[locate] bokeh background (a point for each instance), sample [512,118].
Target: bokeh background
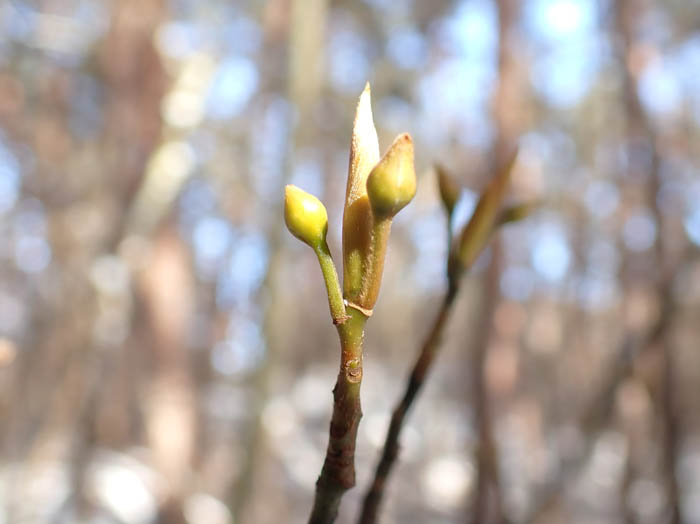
[166,353]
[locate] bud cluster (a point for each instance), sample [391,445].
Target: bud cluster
[377,189]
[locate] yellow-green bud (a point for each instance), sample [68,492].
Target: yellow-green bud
[305,216]
[392,183]
[449,188]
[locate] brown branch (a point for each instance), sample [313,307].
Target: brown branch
[461,256]
[338,473]
[487,499]
[373,499]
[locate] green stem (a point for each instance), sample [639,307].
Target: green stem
[338,473]
[330,276]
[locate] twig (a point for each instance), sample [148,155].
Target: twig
[338,473]
[415,383]
[472,240]
[377,190]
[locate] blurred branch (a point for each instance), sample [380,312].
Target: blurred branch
[639,126]
[628,516]
[461,256]
[671,432]
[487,505]
[373,498]
[487,501]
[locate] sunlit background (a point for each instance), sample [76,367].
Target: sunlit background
[166,353]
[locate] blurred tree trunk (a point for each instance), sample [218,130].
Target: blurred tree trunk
[135,82]
[306,32]
[508,113]
[487,504]
[642,138]
[62,373]
[166,288]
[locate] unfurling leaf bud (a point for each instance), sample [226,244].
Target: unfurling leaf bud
[364,149]
[449,189]
[392,183]
[357,217]
[305,216]
[479,228]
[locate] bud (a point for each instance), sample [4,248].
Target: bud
[392,183]
[364,149]
[517,212]
[479,228]
[449,189]
[357,217]
[305,216]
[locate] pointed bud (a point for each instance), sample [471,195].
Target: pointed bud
[392,183]
[357,217]
[364,149]
[479,228]
[449,189]
[305,216]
